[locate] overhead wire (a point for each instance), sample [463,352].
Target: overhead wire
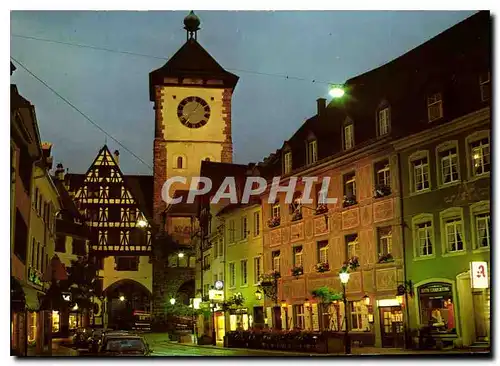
[95,124]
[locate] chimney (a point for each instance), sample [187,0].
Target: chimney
[116,154]
[59,173]
[321,106]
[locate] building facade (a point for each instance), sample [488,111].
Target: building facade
[115,206]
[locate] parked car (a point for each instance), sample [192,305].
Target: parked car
[95,340]
[124,345]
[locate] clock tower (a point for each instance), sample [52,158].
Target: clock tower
[192,101]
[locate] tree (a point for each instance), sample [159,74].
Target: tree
[82,282]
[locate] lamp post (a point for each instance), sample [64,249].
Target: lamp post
[344,278]
[214,341]
[336,91]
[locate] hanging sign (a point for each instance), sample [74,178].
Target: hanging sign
[479,274]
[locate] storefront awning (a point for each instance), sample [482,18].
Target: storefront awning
[31,296]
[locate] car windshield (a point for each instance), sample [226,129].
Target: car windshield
[125,345]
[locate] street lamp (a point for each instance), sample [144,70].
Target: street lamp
[181,255]
[258,295]
[366,298]
[141,223]
[336,91]
[344,278]
[122,298]
[172,301]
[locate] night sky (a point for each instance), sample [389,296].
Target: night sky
[112,88]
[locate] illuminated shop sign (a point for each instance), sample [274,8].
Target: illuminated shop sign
[435,287]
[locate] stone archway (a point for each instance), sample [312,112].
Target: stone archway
[185,292]
[124,298]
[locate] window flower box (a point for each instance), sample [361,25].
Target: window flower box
[322,267]
[274,221]
[385,258]
[351,264]
[382,190]
[297,215]
[349,201]
[297,271]
[322,208]
[269,278]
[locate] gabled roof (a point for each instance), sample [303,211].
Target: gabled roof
[140,186]
[191,61]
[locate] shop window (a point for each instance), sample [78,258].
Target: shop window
[333,316]
[437,307]
[56,318]
[359,316]
[299,318]
[32,320]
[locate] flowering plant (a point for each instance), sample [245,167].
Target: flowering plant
[297,271]
[382,190]
[269,277]
[351,264]
[297,215]
[322,208]
[384,258]
[274,221]
[322,267]
[349,200]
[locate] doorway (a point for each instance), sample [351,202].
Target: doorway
[478,300]
[391,326]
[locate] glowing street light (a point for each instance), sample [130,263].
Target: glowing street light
[172,301]
[122,298]
[181,255]
[336,91]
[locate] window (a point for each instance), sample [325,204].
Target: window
[312,152]
[323,251]
[352,245]
[359,316]
[256,269]
[179,163]
[421,174]
[350,184]
[384,241]
[299,320]
[434,106]
[454,236]
[480,151]
[60,243]
[297,256]
[244,272]
[221,247]
[383,121]
[275,210]
[424,234]
[449,165]
[276,260]
[244,227]
[483,230]
[485,86]
[348,136]
[436,305]
[126,263]
[232,275]
[287,162]
[383,173]
[256,224]
[231,231]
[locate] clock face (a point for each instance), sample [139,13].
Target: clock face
[193,112]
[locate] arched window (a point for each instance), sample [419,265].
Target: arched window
[179,162]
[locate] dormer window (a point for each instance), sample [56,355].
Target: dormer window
[312,152]
[287,162]
[485,86]
[384,121]
[348,136]
[434,107]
